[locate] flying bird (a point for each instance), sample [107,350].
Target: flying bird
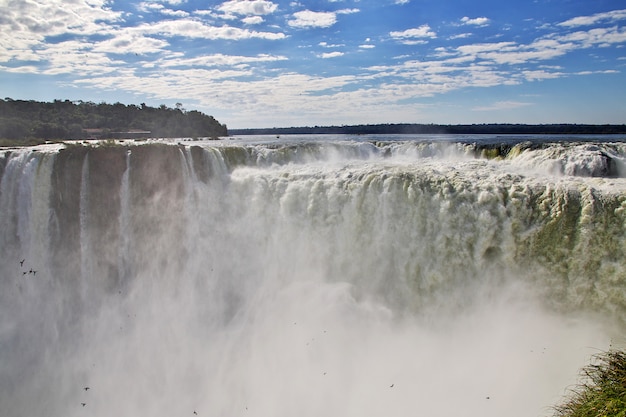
[86,388]
[83,404]
[22,262]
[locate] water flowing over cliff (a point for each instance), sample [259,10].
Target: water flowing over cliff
[306,277]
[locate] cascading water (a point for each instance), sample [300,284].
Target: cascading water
[326,277]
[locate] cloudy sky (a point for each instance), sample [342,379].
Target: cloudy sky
[262,63]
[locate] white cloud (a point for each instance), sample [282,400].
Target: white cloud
[478,21]
[491,64]
[347,11]
[595,37]
[477,48]
[264,97]
[612,16]
[367,46]
[126,43]
[511,53]
[174,13]
[538,75]
[252,20]
[34,19]
[149,7]
[191,28]
[25,25]
[218,60]
[248,7]
[334,54]
[460,36]
[597,72]
[157,4]
[23,69]
[76,58]
[328,45]
[310,19]
[402,1]
[423,31]
[205,13]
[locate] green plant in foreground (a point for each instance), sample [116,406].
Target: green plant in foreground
[602,390]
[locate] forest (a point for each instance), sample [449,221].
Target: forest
[408,128]
[32,121]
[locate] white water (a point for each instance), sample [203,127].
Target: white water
[321,283]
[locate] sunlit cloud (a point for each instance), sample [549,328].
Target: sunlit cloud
[149,7]
[612,16]
[330,45]
[173,2]
[347,11]
[538,75]
[174,13]
[310,19]
[195,29]
[253,20]
[460,36]
[218,60]
[35,20]
[248,7]
[478,21]
[334,54]
[129,43]
[23,69]
[423,31]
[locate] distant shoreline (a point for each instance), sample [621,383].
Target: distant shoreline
[407,128]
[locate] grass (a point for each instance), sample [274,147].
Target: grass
[602,390]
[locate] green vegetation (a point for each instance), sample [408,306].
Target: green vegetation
[27,122]
[602,393]
[411,128]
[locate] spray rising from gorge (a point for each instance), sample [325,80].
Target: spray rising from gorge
[310,277]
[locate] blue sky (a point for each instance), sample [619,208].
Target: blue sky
[262,63]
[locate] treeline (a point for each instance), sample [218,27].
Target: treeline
[407,128]
[28,120]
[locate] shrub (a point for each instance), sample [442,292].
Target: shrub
[602,390]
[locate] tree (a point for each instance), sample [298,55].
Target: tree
[64,119]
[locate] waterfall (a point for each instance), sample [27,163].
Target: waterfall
[126,244]
[86,251]
[324,277]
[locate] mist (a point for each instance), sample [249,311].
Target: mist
[171,280]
